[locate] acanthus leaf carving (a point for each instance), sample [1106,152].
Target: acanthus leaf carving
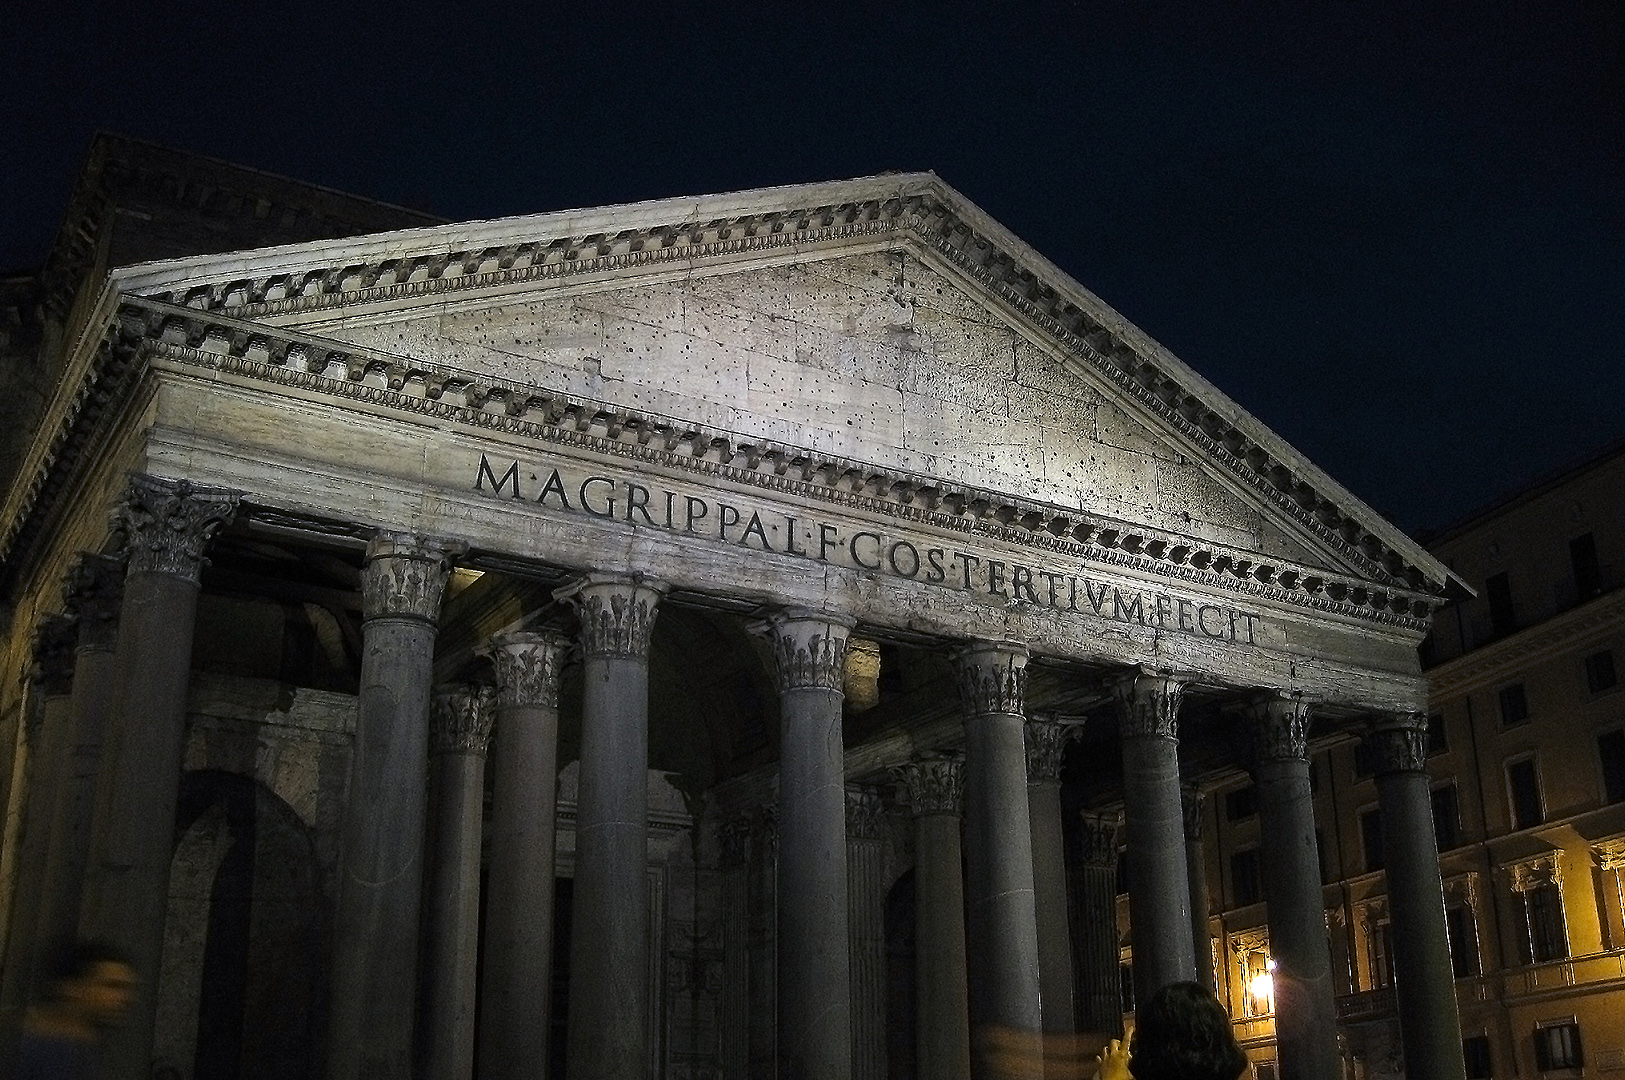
[1148,705]
[1398,742]
[865,813]
[404,577]
[617,613]
[932,785]
[528,665]
[1097,839]
[462,719]
[165,525]
[992,678]
[1280,727]
[1046,747]
[809,650]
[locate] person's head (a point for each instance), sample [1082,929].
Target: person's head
[94,979]
[1182,1033]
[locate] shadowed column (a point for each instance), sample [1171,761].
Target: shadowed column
[933,788]
[1305,1007]
[1100,996]
[814,967]
[609,935]
[866,925]
[1046,745]
[459,733]
[518,978]
[1424,983]
[1191,802]
[375,956]
[1154,824]
[166,526]
[1002,920]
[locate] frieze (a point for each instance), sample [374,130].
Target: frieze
[528,665]
[93,591]
[809,651]
[992,678]
[166,524]
[617,614]
[1046,747]
[404,577]
[462,720]
[932,785]
[1148,705]
[1398,742]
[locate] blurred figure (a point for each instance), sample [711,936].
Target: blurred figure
[1182,1033]
[1010,1054]
[90,987]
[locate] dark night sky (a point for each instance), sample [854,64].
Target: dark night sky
[1396,235]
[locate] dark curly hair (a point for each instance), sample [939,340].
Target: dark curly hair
[1182,1033]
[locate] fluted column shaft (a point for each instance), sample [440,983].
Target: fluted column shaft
[1003,921]
[814,966]
[375,958]
[866,929]
[47,723]
[1305,1004]
[518,979]
[460,732]
[1154,824]
[1099,992]
[166,525]
[1196,873]
[934,790]
[609,937]
[94,590]
[1429,1026]
[1046,743]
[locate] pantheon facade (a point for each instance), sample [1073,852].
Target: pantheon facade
[722,637]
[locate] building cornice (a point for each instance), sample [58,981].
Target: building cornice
[1528,648]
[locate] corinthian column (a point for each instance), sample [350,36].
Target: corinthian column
[1158,887]
[94,591]
[866,925]
[375,956]
[1004,979]
[1100,996]
[933,788]
[1191,801]
[46,731]
[1429,1027]
[1305,1006]
[517,986]
[609,936]
[459,735]
[166,525]
[1046,743]
[814,971]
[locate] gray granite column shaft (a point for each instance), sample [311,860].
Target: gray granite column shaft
[1154,824]
[1196,874]
[814,965]
[1046,742]
[167,525]
[609,936]
[94,590]
[516,990]
[1100,998]
[733,1034]
[460,732]
[47,720]
[1003,922]
[934,790]
[1429,1026]
[1305,1003]
[866,929]
[375,956]
[762,1017]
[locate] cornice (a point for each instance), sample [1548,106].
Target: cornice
[381,380]
[919,208]
[1526,648]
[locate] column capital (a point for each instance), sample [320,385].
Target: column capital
[932,785]
[1280,726]
[1046,748]
[527,665]
[865,813]
[93,590]
[462,719]
[1398,742]
[617,613]
[404,577]
[1148,704]
[809,649]
[1097,839]
[166,524]
[992,677]
[55,637]
[1190,801]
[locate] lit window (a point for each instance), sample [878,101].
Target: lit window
[1557,1046]
[1258,977]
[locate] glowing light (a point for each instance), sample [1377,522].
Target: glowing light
[1262,986]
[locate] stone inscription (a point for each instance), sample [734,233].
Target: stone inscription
[626,500]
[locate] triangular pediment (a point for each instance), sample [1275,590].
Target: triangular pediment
[884,321]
